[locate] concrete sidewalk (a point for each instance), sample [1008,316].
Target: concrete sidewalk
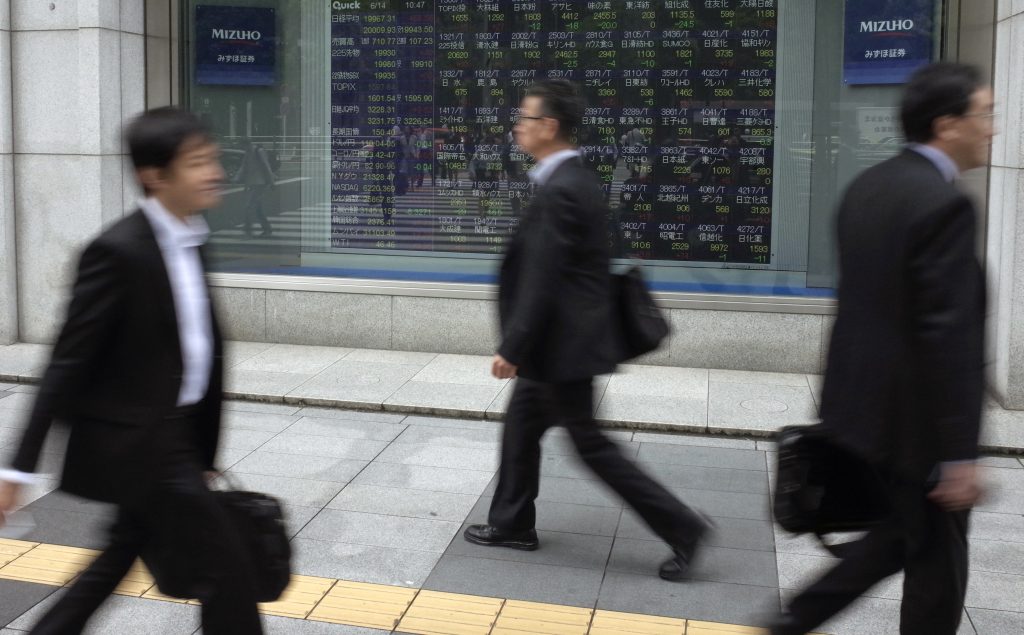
[383,498]
[645,398]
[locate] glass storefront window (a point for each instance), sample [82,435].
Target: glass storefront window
[372,138]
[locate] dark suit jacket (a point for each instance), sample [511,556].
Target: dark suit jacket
[904,381]
[116,369]
[555,295]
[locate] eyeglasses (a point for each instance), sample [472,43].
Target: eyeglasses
[516,120]
[991,117]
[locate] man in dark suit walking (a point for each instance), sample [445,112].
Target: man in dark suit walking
[555,306]
[137,373]
[904,383]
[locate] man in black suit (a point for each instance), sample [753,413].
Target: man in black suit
[555,306]
[137,373]
[904,383]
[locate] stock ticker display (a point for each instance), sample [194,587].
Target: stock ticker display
[679,123]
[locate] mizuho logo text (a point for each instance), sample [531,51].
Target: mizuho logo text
[886,26]
[236,34]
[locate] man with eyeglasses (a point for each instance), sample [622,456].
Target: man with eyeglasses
[904,380]
[555,309]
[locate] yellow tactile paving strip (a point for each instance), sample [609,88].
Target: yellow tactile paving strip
[405,610]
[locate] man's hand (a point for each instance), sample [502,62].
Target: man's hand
[210,476]
[501,369]
[959,487]
[9,494]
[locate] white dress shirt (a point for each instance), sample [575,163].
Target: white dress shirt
[540,173]
[942,161]
[179,245]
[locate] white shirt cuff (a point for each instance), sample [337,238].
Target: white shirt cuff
[22,478]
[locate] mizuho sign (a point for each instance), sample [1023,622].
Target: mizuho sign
[236,34]
[886,26]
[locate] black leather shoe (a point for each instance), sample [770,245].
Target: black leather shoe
[678,566]
[489,536]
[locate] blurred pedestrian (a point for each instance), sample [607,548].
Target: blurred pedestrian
[904,382]
[137,373]
[556,314]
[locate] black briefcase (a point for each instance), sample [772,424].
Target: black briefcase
[259,521]
[641,326]
[823,488]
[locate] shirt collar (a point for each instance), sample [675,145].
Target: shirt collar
[169,229]
[540,173]
[942,161]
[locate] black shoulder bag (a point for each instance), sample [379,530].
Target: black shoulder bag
[823,488]
[640,327]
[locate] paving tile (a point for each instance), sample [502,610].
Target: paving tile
[33,492]
[534,617]
[29,389]
[557,441]
[314,445]
[871,616]
[344,428]
[23,360]
[713,564]
[433,612]
[702,456]
[499,406]
[423,477]
[362,563]
[266,422]
[516,580]
[319,468]
[989,526]
[1003,501]
[422,421]
[60,527]
[816,382]
[391,501]
[561,517]
[121,614]
[459,369]
[485,439]
[987,622]
[659,381]
[27,620]
[327,412]
[737,533]
[261,383]
[19,597]
[677,413]
[291,358]
[698,600]
[275,625]
[725,504]
[613,623]
[12,419]
[708,478]
[759,407]
[442,399]
[797,380]
[999,478]
[996,591]
[365,605]
[557,549]
[18,401]
[691,439]
[260,406]
[237,352]
[378,530]
[70,503]
[294,491]
[297,516]
[1006,462]
[798,571]
[356,382]
[997,557]
[244,439]
[5,387]
[439,456]
[390,357]
[572,490]
[228,457]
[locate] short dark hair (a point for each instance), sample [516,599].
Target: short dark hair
[937,90]
[561,100]
[155,137]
